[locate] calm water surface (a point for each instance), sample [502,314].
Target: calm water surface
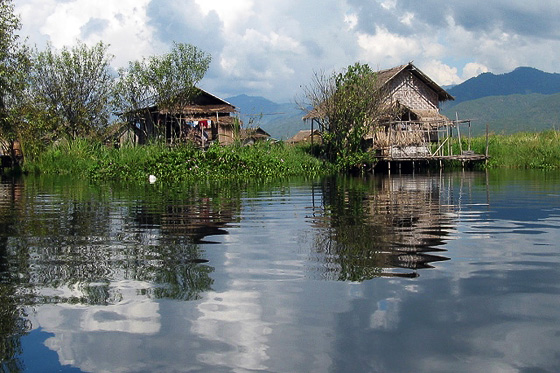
[453,272]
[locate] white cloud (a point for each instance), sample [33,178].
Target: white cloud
[473,69]
[387,48]
[389,4]
[351,20]
[124,25]
[271,48]
[440,73]
[232,13]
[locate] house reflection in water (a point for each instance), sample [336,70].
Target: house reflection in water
[193,219]
[383,227]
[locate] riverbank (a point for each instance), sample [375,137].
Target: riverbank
[89,159]
[93,160]
[528,150]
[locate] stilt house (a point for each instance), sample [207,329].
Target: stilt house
[413,120]
[415,100]
[206,119]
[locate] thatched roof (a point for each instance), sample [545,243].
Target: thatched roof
[384,77]
[303,135]
[255,133]
[202,103]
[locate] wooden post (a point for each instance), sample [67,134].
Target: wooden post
[486,153]
[448,128]
[312,121]
[390,145]
[469,135]
[458,133]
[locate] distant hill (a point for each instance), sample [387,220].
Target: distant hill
[509,114]
[523,80]
[281,121]
[525,99]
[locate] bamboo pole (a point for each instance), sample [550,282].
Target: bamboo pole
[469,135]
[447,128]
[458,133]
[487,143]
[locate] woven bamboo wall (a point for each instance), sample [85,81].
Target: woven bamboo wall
[412,92]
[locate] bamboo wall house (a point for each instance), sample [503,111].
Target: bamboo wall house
[413,123]
[207,118]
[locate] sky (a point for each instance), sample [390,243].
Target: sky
[272,48]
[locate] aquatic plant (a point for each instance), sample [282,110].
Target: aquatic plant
[85,158]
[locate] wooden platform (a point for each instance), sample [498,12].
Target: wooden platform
[412,158]
[400,163]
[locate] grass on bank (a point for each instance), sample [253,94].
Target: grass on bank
[84,158]
[538,150]
[90,159]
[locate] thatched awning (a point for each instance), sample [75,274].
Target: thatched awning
[202,103]
[198,109]
[304,135]
[431,116]
[254,133]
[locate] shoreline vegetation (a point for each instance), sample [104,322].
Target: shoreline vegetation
[93,160]
[522,150]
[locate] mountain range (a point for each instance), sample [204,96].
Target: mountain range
[281,121]
[525,99]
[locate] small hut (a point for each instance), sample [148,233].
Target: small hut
[250,136]
[207,118]
[415,99]
[412,100]
[306,137]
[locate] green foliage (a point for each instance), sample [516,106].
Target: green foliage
[358,161]
[169,80]
[521,150]
[14,66]
[72,89]
[67,157]
[90,159]
[347,105]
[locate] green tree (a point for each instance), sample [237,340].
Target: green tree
[72,89]
[14,66]
[347,105]
[167,81]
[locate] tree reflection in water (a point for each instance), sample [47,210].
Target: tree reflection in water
[65,243]
[13,322]
[379,226]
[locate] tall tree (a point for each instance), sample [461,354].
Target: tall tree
[73,88]
[347,105]
[14,65]
[167,81]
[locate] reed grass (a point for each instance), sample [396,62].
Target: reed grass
[528,150]
[88,159]
[91,159]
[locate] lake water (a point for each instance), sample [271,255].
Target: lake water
[451,272]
